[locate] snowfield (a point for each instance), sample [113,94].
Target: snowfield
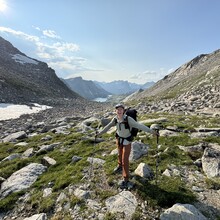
[10,111]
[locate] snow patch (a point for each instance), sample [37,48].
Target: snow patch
[23,59]
[10,111]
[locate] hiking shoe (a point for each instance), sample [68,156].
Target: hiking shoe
[118,169]
[129,185]
[126,185]
[123,184]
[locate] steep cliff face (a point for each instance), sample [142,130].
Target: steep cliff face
[23,79]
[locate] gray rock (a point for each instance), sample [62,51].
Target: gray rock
[143,170]
[204,134]
[217,105]
[22,179]
[46,138]
[194,148]
[61,197]
[124,202]
[61,130]
[168,133]
[48,161]
[207,129]
[182,212]
[89,121]
[11,157]
[21,144]
[76,158]
[95,160]
[81,194]
[138,149]
[49,147]
[41,216]
[15,136]
[47,192]
[92,204]
[211,161]
[28,153]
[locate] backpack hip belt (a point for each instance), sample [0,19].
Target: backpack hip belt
[121,139]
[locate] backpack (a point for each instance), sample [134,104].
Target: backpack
[133,114]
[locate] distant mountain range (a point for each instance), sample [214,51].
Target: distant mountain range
[93,89]
[86,88]
[119,87]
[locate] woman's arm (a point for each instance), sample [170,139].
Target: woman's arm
[107,127]
[139,126]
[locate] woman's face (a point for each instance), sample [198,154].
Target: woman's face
[120,111]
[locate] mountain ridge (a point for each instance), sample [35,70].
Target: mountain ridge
[187,79]
[120,87]
[91,90]
[24,79]
[86,88]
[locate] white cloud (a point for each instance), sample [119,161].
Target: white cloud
[51,33]
[21,34]
[135,76]
[56,50]
[3,5]
[37,28]
[63,47]
[150,75]
[60,55]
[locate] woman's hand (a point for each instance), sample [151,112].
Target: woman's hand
[155,132]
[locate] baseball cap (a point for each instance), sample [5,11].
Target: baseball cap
[119,105]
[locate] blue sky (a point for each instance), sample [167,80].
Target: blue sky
[106,40]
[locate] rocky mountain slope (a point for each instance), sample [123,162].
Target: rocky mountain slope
[23,79]
[86,88]
[195,85]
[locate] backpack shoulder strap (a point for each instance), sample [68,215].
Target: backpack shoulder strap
[115,120]
[127,126]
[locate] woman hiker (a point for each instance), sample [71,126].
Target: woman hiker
[123,141]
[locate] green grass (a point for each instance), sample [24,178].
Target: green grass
[6,149]
[213,183]
[212,140]
[7,168]
[8,203]
[166,193]
[42,204]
